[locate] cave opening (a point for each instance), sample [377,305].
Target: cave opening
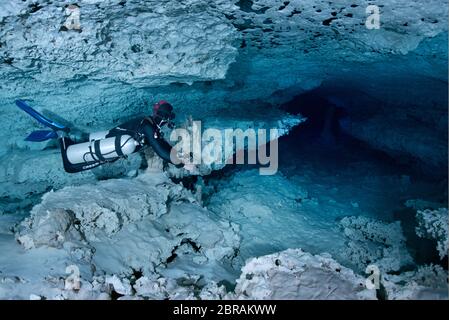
[326,133]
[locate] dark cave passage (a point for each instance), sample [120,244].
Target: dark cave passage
[325,133]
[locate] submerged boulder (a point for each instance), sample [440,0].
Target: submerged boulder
[295,274]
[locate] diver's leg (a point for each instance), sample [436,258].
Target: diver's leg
[65,143]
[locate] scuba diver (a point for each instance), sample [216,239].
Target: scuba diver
[109,146]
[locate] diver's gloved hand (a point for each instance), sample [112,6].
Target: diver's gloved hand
[192,168]
[187,159]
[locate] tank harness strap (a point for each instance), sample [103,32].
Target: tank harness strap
[150,120]
[118,146]
[98,151]
[91,152]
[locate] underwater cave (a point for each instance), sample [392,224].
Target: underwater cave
[354,106]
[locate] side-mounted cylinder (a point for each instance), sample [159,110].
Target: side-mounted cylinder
[101,149]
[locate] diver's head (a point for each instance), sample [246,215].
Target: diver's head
[163,114]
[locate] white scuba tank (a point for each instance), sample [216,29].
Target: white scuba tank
[100,148]
[98,135]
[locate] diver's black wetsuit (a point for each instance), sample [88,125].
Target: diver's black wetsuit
[143,130]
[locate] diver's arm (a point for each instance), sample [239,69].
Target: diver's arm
[160,146]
